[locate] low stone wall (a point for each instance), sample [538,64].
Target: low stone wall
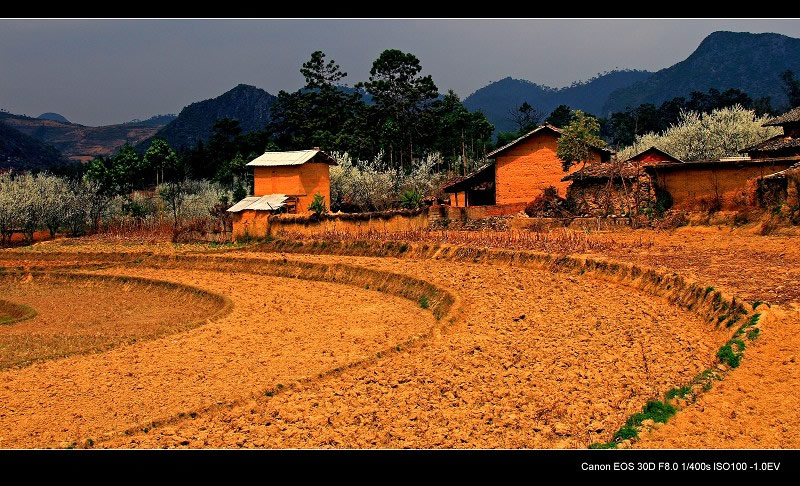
[478,212]
[546,224]
[593,196]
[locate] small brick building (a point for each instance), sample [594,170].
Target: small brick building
[283,182]
[520,171]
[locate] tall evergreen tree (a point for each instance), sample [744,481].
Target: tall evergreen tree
[402,96]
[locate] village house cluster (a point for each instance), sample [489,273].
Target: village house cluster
[518,172]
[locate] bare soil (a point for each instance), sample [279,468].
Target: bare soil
[586,354]
[539,360]
[81,315]
[279,330]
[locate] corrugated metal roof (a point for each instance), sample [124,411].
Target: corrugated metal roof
[243,204]
[297,157]
[270,202]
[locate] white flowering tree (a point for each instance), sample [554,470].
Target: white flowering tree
[721,133]
[9,215]
[372,186]
[53,192]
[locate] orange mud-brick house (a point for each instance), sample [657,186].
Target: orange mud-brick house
[700,185]
[283,182]
[520,171]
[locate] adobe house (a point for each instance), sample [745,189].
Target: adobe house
[519,172]
[705,184]
[614,187]
[284,182]
[785,145]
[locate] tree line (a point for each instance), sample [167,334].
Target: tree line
[621,129]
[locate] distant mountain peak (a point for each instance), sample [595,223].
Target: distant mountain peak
[248,104]
[742,60]
[53,116]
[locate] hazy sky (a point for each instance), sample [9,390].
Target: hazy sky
[99,72]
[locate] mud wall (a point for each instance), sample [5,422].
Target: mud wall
[695,189]
[304,180]
[260,224]
[526,169]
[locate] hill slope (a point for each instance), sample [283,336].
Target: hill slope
[79,142]
[248,104]
[22,152]
[497,98]
[750,62]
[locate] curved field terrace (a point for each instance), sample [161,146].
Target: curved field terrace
[244,348]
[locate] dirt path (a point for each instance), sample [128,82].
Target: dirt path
[279,331]
[585,355]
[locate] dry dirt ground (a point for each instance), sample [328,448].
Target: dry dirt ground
[586,354]
[266,340]
[84,315]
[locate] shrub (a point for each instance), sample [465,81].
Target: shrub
[362,186]
[726,355]
[411,199]
[423,302]
[548,204]
[318,205]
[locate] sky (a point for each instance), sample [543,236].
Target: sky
[99,72]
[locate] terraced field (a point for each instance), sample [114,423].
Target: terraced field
[283,345]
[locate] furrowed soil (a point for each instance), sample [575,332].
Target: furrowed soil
[586,354]
[278,331]
[538,360]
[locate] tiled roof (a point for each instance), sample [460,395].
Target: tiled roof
[791,116]
[778,142]
[457,180]
[781,174]
[711,163]
[667,155]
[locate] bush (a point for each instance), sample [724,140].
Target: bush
[411,199]
[318,205]
[363,186]
[548,204]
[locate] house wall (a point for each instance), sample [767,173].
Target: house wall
[695,188]
[457,199]
[250,223]
[304,181]
[526,169]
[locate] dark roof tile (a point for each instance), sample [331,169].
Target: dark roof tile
[791,116]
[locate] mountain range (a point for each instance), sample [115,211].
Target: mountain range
[750,62]
[79,142]
[23,152]
[247,104]
[498,98]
